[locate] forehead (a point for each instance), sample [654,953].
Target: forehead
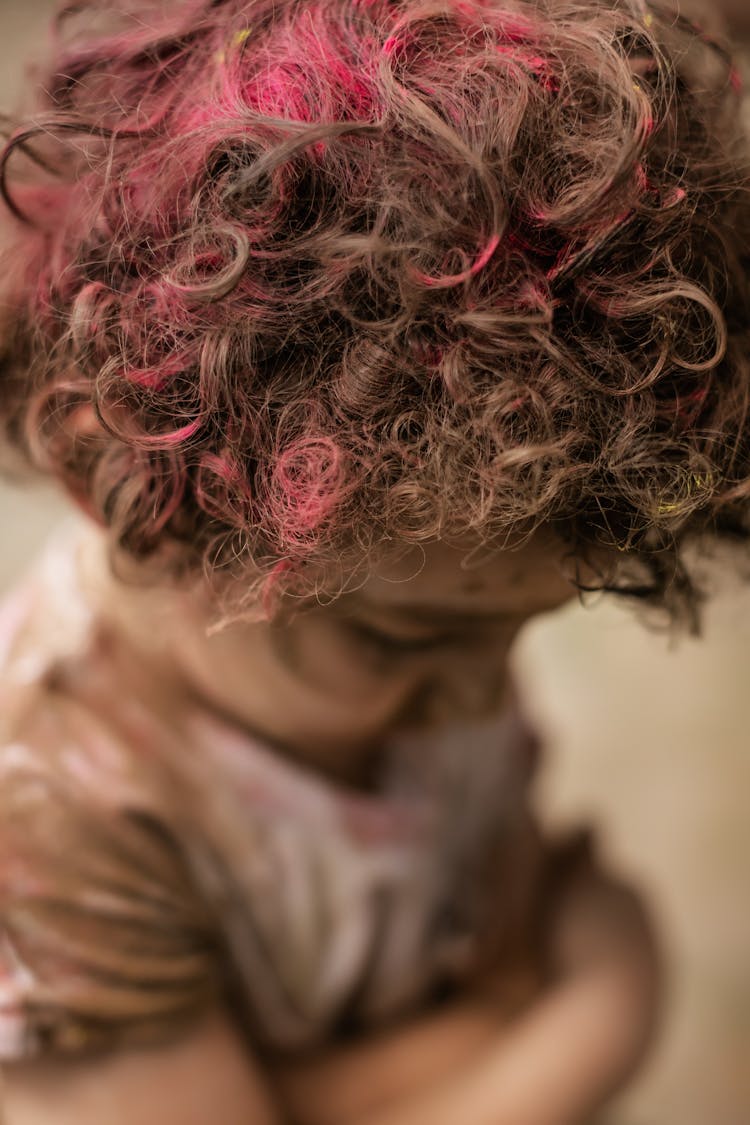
[526,579]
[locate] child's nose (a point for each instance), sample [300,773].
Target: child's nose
[461,692]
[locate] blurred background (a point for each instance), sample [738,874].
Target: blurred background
[648,741]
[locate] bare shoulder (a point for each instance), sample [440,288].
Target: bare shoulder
[206,1076]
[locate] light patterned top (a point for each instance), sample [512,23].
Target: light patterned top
[148,866]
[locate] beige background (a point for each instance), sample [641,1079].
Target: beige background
[652,744]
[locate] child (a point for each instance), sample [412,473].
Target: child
[361,333]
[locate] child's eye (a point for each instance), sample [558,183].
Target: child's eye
[388,642]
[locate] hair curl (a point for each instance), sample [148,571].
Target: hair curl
[291,279]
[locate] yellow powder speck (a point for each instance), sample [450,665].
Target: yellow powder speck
[239,37]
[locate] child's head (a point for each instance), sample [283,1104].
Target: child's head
[293,285]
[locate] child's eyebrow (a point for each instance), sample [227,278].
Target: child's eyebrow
[438,615]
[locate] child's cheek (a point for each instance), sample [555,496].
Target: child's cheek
[328,656]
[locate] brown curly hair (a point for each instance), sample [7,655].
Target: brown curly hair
[288,280]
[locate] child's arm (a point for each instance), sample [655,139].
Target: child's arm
[561,1061]
[570,1050]
[550,1066]
[204,1078]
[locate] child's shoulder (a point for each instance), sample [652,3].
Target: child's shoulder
[48,640]
[97,914]
[44,616]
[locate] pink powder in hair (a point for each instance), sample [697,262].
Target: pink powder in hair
[222,489]
[456,278]
[154,378]
[318,253]
[307,479]
[272,587]
[688,407]
[537,65]
[429,355]
[170,439]
[391,44]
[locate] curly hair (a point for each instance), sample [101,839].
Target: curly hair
[288,280]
